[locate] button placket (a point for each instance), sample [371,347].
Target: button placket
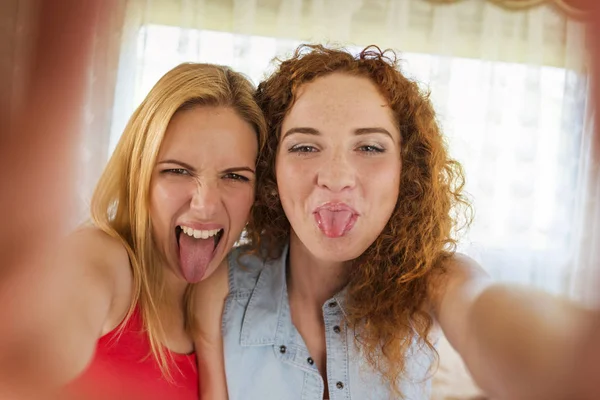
[337,351]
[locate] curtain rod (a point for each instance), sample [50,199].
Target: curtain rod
[572,8]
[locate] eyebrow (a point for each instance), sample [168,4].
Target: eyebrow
[304,130]
[359,131]
[192,169]
[180,163]
[239,169]
[365,131]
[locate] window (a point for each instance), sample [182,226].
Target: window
[515,128]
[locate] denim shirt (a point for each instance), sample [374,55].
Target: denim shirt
[266,357]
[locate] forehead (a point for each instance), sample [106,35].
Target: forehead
[204,132]
[340,99]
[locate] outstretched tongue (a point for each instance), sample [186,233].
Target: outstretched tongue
[194,256]
[334,224]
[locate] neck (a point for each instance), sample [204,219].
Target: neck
[174,291]
[172,314]
[312,279]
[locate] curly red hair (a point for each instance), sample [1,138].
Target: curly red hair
[387,290]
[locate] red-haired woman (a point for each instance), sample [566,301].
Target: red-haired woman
[351,267]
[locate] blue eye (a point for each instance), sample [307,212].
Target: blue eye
[176,171]
[303,148]
[371,149]
[236,177]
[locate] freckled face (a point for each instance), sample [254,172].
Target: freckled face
[338,166]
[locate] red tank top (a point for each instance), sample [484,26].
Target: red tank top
[124,368]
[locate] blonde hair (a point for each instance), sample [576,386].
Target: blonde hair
[120,202]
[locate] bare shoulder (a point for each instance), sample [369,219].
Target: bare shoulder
[97,244]
[460,265]
[105,260]
[457,275]
[209,301]
[105,256]
[214,287]
[208,304]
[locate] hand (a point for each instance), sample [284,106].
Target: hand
[38,147]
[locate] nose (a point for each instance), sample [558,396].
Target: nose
[337,173]
[205,200]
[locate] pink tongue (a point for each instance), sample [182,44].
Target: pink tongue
[334,223]
[194,256]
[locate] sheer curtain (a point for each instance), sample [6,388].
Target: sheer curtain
[510,90]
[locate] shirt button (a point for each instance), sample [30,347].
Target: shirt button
[310,360]
[332,304]
[337,329]
[282,349]
[339,385]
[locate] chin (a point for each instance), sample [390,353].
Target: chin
[334,250]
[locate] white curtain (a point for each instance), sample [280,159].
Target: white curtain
[510,90]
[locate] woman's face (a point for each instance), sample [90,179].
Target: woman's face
[202,188]
[338,166]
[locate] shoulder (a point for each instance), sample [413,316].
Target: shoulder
[238,272]
[453,287]
[455,270]
[107,262]
[106,255]
[97,244]
[231,283]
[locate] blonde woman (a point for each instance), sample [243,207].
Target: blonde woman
[169,206]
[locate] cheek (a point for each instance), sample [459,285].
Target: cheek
[292,166]
[166,198]
[239,202]
[295,177]
[383,178]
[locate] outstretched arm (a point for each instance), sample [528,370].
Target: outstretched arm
[38,143]
[55,311]
[518,342]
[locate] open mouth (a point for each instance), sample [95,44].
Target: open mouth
[196,248]
[215,234]
[335,219]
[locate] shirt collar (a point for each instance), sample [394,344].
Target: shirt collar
[263,319]
[267,319]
